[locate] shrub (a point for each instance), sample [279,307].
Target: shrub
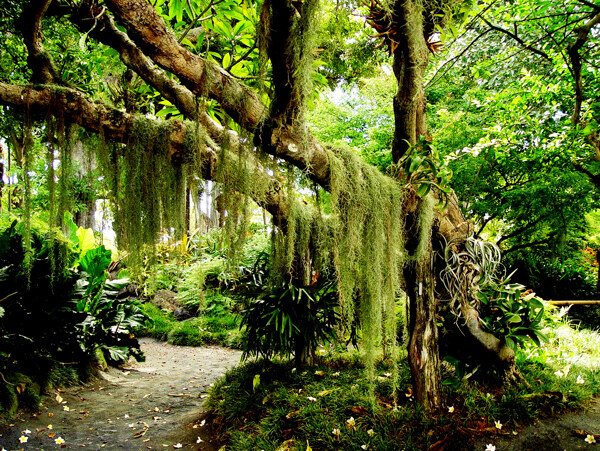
[283,319]
[556,279]
[53,313]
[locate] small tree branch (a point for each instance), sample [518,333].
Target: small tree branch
[517,39]
[453,61]
[573,51]
[594,178]
[528,245]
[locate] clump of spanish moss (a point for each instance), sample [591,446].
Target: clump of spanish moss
[287,36]
[148,185]
[425,217]
[368,246]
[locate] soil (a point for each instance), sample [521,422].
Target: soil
[567,431]
[156,404]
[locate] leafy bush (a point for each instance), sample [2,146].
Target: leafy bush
[556,279]
[511,312]
[109,321]
[283,319]
[218,325]
[51,312]
[35,288]
[190,288]
[160,276]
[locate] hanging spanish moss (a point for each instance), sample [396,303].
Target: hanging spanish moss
[425,217]
[301,247]
[28,143]
[65,135]
[51,186]
[148,184]
[233,203]
[369,247]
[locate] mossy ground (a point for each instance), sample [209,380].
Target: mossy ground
[23,391]
[204,330]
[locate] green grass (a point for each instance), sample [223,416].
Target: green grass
[293,408]
[221,329]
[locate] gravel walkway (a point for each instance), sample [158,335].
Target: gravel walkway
[154,404]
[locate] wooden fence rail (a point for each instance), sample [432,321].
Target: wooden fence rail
[564,302]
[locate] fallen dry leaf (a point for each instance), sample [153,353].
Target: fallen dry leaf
[140,433]
[360,410]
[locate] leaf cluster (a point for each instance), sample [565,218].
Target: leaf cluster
[281,318]
[513,313]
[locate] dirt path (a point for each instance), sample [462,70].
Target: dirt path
[564,432]
[150,405]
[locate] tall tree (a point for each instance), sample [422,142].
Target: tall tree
[244,99]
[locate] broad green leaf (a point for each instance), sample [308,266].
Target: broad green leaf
[226,60]
[86,240]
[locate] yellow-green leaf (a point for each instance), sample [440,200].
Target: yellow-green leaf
[86,240]
[255,382]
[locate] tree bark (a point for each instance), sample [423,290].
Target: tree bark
[411,55]
[423,349]
[410,62]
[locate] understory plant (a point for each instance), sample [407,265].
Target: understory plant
[109,320]
[271,405]
[514,313]
[474,277]
[42,329]
[282,318]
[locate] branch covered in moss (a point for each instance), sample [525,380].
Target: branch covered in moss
[117,125]
[38,60]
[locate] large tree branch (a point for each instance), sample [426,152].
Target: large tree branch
[530,244]
[150,33]
[117,125]
[594,178]
[38,60]
[106,32]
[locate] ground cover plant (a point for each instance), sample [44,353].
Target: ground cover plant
[273,405]
[203,283]
[216,325]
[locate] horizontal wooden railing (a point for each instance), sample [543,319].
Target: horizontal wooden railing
[567,302]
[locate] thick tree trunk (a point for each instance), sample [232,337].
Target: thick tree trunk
[86,217]
[423,352]
[423,346]
[410,62]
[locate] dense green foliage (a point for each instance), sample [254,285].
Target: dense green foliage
[54,315]
[217,325]
[282,319]
[266,405]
